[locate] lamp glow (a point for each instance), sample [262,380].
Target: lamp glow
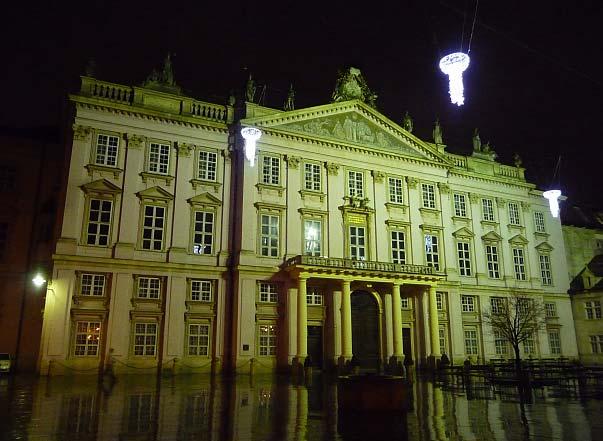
[454,65]
[38,280]
[251,135]
[553,198]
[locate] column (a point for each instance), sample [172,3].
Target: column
[302,320]
[434,324]
[397,320]
[346,320]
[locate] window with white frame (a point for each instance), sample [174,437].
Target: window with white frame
[432,251]
[355,184]
[203,233]
[405,303]
[492,261]
[92,285]
[529,346]
[545,269]
[488,210]
[442,337]
[596,344]
[271,170]
[201,290]
[440,300]
[268,292]
[514,218]
[86,338]
[395,190]
[593,309]
[500,343]
[554,342]
[145,338]
[153,227]
[207,166]
[98,227]
[428,195]
[519,264]
[539,222]
[398,246]
[106,150]
[198,339]
[357,242]
[159,158]
[460,205]
[313,297]
[551,309]
[148,288]
[464,258]
[267,340]
[471,346]
[312,176]
[497,305]
[468,303]
[269,235]
[312,237]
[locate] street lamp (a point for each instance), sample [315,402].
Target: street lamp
[38,280]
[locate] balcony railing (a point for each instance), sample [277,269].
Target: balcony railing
[337,263]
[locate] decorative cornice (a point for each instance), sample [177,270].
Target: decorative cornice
[332,168]
[444,188]
[412,182]
[185,149]
[81,133]
[474,198]
[378,176]
[293,161]
[136,141]
[501,201]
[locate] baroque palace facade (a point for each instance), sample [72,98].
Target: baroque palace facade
[347,237]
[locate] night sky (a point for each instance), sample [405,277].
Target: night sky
[533,86]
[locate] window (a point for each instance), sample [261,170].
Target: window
[312,177]
[488,210]
[201,290]
[440,300]
[468,303]
[460,205]
[159,158]
[519,264]
[99,222]
[593,309]
[8,178]
[395,190]
[312,237]
[357,243]
[145,338]
[148,288]
[198,339]
[313,297]
[471,342]
[208,165]
[596,344]
[92,285]
[3,238]
[545,269]
[500,343]
[464,258]
[153,227]
[514,214]
[269,240]
[268,293]
[497,305]
[428,194]
[271,170]
[398,247]
[267,339]
[87,339]
[442,335]
[106,150]
[203,234]
[539,222]
[554,342]
[355,184]
[529,346]
[492,260]
[404,303]
[432,251]
[551,309]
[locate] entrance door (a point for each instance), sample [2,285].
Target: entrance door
[407,343]
[365,330]
[315,345]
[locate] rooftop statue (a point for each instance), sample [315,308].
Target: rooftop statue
[351,85]
[407,122]
[437,132]
[477,142]
[290,101]
[250,89]
[163,80]
[517,160]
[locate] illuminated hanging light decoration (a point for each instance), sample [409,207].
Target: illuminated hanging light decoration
[454,65]
[553,197]
[251,135]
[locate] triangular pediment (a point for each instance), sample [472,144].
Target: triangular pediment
[544,247]
[155,193]
[491,236]
[204,199]
[518,239]
[349,123]
[100,186]
[463,233]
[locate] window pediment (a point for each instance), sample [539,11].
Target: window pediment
[518,239]
[463,233]
[544,247]
[100,186]
[155,194]
[491,236]
[204,199]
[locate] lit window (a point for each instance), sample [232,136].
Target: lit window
[398,247]
[208,164]
[313,297]
[159,158]
[432,251]
[545,269]
[198,339]
[468,303]
[488,210]
[442,335]
[148,288]
[497,305]
[554,342]
[464,258]
[514,214]
[539,222]
[395,190]
[153,227]
[271,170]
[551,309]
[145,338]
[519,264]
[460,205]
[269,240]
[99,222]
[203,235]
[106,150]
[87,339]
[268,293]
[428,194]
[492,260]
[500,343]
[201,290]
[593,309]
[312,177]
[357,243]
[267,339]
[471,342]
[355,184]
[312,237]
[92,285]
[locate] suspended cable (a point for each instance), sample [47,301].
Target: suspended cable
[463,28]
[473,26]
[556,173]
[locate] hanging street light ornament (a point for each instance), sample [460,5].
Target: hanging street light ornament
[251,135]
[553,197]
[454,65]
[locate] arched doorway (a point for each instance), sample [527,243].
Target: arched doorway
[365,330]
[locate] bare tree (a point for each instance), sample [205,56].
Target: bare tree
[517,318]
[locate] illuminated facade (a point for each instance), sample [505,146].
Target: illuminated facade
[349,236]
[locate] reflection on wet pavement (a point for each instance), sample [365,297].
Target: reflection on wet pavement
[272,408]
